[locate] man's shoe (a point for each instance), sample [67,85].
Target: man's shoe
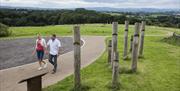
[54,71]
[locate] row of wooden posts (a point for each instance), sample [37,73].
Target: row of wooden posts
[113,55]
[136,48]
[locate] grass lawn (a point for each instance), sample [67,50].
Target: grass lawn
[86,29]
[159,70]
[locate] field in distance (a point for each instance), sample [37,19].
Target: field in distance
[86,29]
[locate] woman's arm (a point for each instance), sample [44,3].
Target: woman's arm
[34,51]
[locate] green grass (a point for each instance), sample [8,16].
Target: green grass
[86,29]
[159,70]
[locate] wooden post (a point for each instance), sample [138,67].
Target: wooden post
[115,72]
[109,51]
[114,40]
[141,46]
[125,56]
[135,48]
[34,81]
[77,58]
[131,44]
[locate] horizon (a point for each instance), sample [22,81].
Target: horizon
[83,7]
[120,4]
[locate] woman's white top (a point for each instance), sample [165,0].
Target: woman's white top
[43,42]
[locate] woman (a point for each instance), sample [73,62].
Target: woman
[40,48]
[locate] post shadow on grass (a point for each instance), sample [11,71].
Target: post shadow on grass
[82,88]
[113,88]
[127,59]
[141,57]
[125,70]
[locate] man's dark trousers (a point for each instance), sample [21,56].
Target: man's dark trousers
[53,61]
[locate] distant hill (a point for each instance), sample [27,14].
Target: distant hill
[42,16]
[104,9]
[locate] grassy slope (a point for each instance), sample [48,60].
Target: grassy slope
[158,71]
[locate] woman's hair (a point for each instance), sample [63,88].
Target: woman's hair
[38,34]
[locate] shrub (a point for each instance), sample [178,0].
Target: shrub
[4,30]
[172,40]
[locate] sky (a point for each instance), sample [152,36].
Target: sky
[92,3]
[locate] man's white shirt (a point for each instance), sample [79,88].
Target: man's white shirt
[54,46]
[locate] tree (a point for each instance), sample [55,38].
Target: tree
[4,30]
[28,17]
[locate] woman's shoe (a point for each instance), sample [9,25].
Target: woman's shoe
[45,65]
[40,68]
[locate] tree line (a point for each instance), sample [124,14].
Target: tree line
[29,17]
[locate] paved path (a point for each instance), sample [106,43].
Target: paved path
[90,51]
[11,47]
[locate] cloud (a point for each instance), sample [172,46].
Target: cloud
[141,3]
[93,3]
[106,1]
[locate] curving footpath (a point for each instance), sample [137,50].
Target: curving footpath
[93,47]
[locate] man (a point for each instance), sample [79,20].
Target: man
[54,45]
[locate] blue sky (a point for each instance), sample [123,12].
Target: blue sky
[93,3]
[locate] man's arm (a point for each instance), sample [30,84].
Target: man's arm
[59,47]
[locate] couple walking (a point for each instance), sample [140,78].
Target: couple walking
[52,48]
